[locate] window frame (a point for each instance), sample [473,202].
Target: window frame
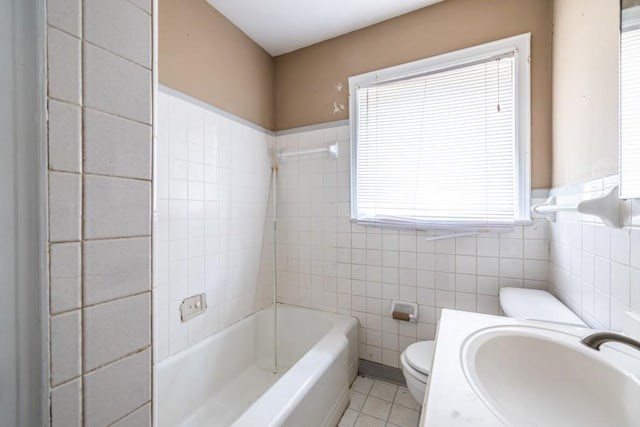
[519,45]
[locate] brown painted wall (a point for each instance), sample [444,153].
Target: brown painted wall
[306,79]
[205,56]
[585,90]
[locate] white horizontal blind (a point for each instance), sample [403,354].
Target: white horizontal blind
[630,109]
[439,150]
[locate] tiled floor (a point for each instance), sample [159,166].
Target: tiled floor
[379,404]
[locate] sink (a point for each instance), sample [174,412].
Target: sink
[533,376]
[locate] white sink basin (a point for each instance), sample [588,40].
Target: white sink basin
[531,376]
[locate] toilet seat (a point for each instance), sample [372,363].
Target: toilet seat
[419,356]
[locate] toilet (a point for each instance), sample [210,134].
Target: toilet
[517,303]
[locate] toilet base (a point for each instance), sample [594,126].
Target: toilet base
[416,387]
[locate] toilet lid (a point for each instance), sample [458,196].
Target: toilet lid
[419,356]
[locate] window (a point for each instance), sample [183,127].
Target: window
[444,142]
[630,103]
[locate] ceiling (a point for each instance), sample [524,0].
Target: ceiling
[282,26]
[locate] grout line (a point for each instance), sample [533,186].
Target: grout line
[131,61]
[67,381]
[148,402]
[138,7]
[90,174]
[111,113]
[62,30]
[82,212]
[100,239]
[117,299]
[113,362]
[94,239]
[53,98]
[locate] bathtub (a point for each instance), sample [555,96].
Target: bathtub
[227,379]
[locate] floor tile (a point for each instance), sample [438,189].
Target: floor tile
[362,385]
[357,400]
[384,391]
[375,403]
[349,418]
[367,421]
[376,408]
[403,417]
[404,398]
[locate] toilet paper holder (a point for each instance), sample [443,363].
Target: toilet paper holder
[407,311]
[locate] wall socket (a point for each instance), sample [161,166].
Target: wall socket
[193,306]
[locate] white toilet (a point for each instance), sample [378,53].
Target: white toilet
[518,303]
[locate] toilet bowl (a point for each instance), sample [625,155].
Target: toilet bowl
[517,303]
[416,366]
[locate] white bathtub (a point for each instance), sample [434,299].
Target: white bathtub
[227,379]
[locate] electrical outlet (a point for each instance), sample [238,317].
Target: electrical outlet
[193,306]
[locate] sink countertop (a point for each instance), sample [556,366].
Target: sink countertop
[450,400]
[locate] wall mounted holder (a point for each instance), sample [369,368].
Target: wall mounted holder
[406,311]
[606,207]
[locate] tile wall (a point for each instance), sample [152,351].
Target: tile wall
[99,93]
[327,262]
[212,189]
[594,269]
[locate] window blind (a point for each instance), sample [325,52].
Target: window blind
[438,150]
[630,108]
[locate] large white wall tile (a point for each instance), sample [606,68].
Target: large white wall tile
[65,274]
[65,147]
[65,193]
[65,347]
[64,58]
[104,71]
[81,74]
[65,15]
[115,329]
[121,27]
[66,404]
[116,146]
[116,268]
[118,389]
[116,207]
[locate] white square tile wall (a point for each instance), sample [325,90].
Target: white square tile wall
[325,261]
[99,159]
[213,178]
[595,270]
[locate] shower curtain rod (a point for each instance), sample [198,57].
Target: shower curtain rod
[331,149]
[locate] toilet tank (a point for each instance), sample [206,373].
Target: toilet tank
[536,304]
